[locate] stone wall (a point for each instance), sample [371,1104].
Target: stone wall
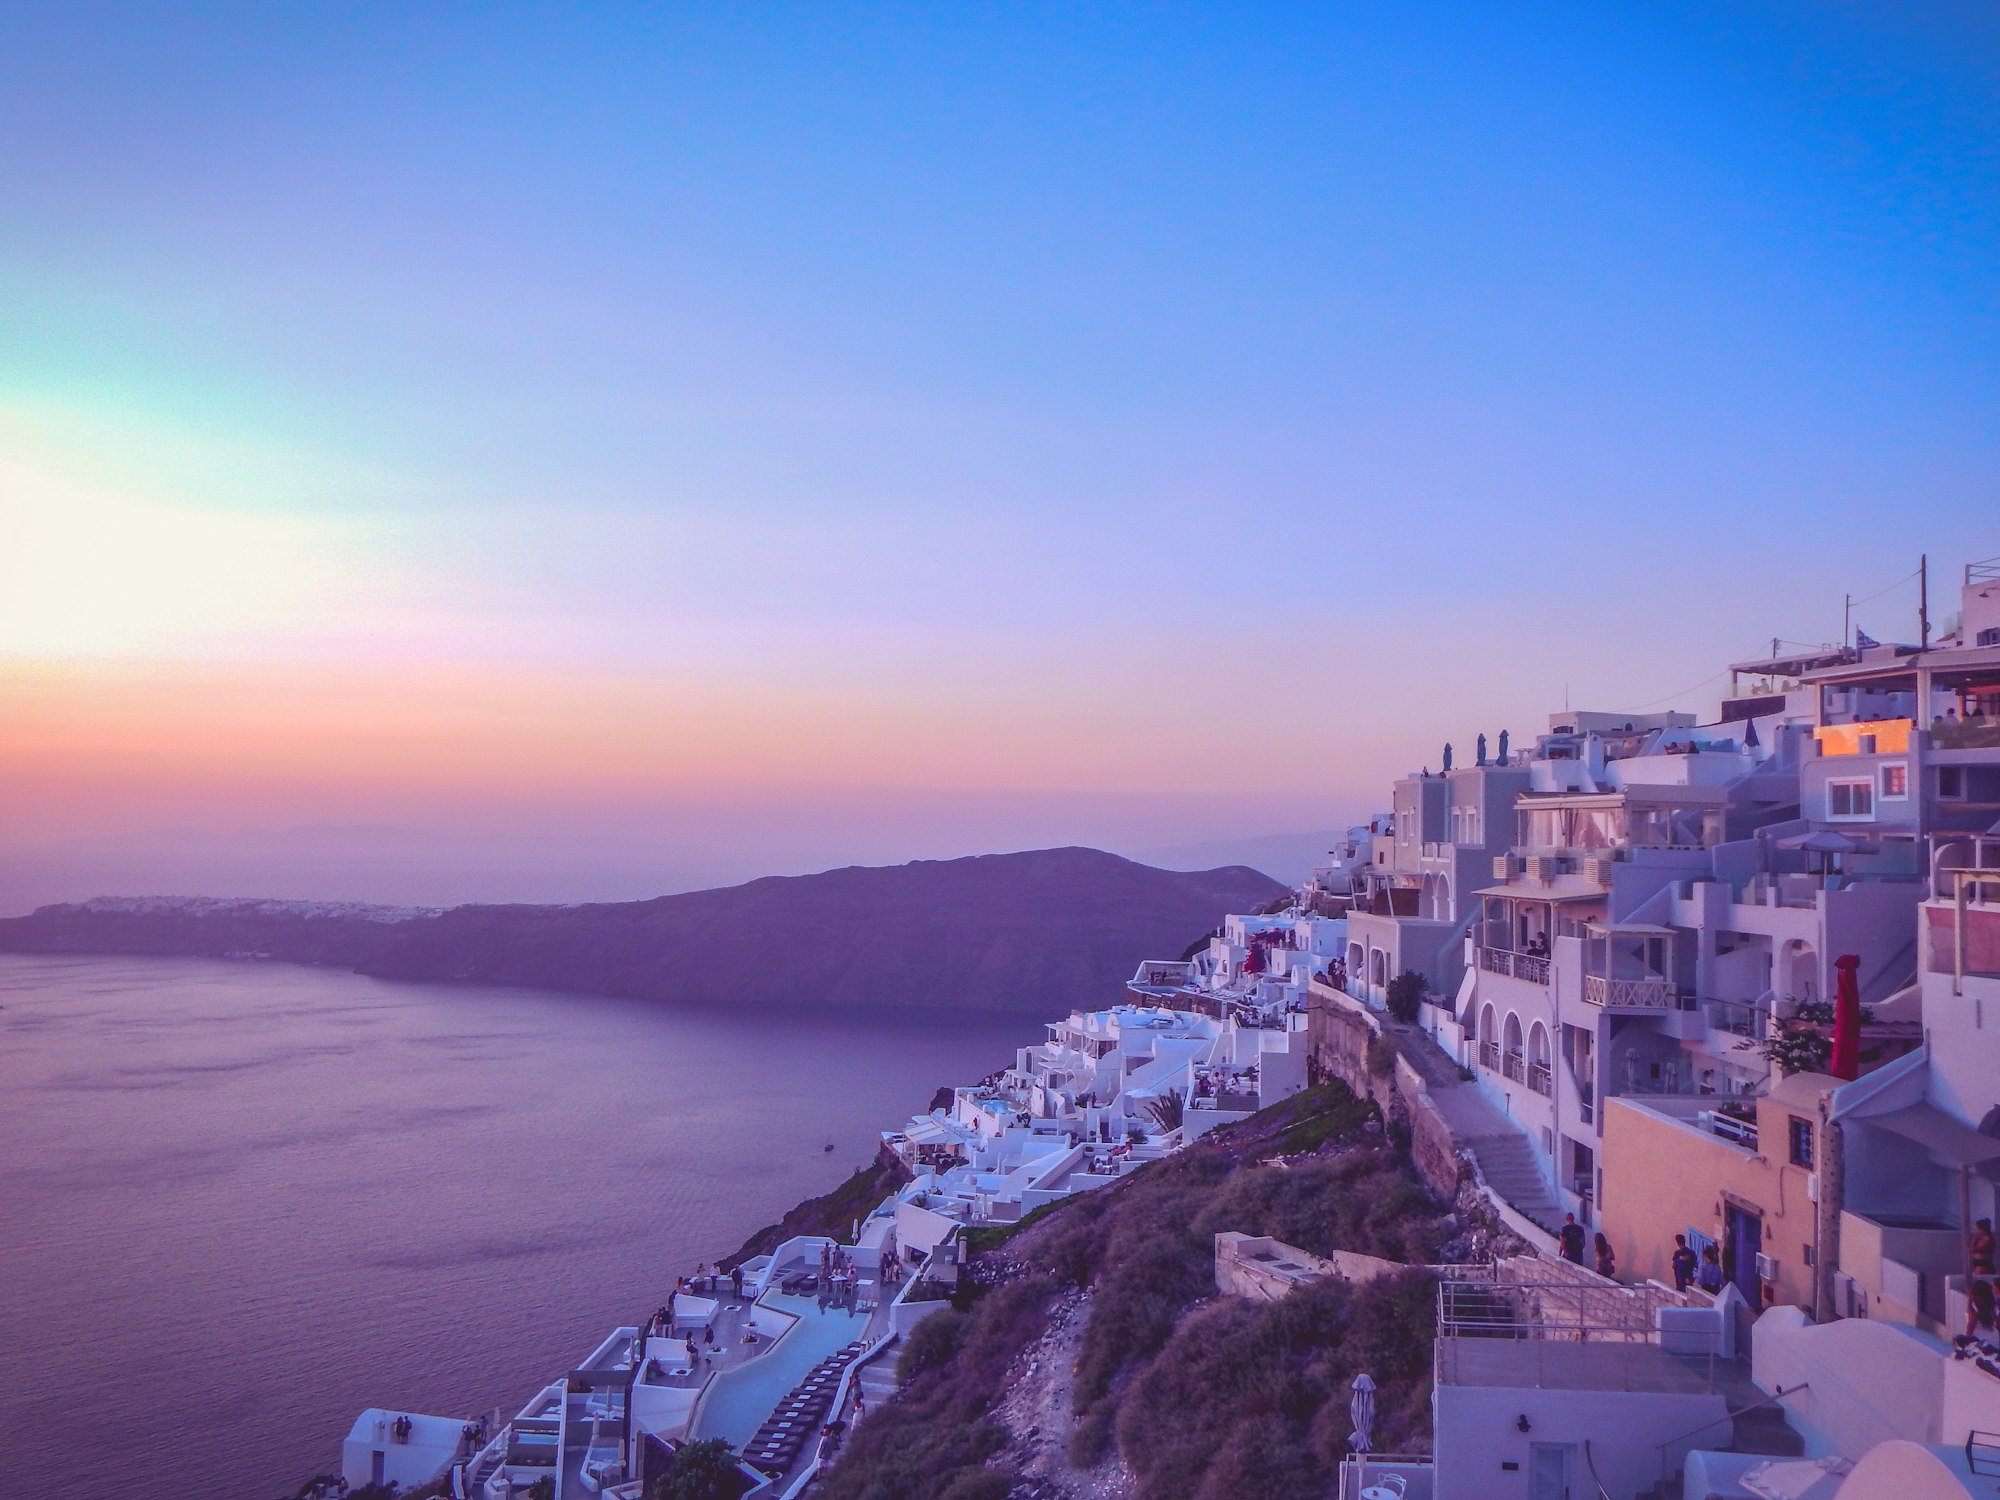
[1338,1038]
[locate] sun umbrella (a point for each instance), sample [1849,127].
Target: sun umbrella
[1362,1409]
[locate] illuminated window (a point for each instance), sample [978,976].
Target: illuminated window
[1895,779]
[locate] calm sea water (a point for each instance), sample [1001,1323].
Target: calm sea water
[239,1203]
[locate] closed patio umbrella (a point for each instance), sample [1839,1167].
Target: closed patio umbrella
[1361,1408]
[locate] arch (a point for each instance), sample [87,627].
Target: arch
[1513,1035]
[1378,967]
[1487,1025]
[1538,1058]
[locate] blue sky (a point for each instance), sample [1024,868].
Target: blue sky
[1161,420]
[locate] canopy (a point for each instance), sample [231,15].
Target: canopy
[1941,1135]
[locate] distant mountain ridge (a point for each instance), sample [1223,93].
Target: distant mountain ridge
[1039,931]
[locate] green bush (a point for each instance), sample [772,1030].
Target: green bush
[703,1470]
[1406,993]
[934,1341]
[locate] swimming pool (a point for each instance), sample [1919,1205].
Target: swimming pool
[737,1401]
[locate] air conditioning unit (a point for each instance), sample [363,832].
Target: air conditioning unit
[1812,1188]
[1506,866]
[1597,869]
[1767,1267]
[1542,867]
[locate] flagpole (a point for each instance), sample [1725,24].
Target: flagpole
[1846,619]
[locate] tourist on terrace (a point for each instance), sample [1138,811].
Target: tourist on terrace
[1981,1247]
[1570,1238]
[1710,1278]
[736,1281]
[1607,1265]
[1684,1262]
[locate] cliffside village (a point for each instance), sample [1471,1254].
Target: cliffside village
[1703,1014]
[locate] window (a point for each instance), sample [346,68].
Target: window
[1801,1134]
[1951,782]
[1894,777]
[1988,637]
[1850,799]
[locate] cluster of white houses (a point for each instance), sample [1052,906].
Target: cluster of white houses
[1619,951]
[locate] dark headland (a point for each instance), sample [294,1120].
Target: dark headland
[1038,932]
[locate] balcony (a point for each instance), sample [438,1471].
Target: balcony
[1611,993]
[1538,1077]
[1515,1067]
[1489,1056]
[1528,966]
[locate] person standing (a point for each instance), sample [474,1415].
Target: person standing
[1710,1278]
[1685,1263]
[1981,1247]
[1570,1238]
[1607,1265]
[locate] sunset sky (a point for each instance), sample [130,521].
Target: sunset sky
[787,435]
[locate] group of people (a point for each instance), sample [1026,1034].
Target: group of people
[1703,1270]
[1570,1240]
[838,1275]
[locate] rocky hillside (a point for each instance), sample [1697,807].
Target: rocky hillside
[1089,1356]
[1038,932]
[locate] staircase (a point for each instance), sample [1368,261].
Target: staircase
[877,1380]
[1511,1168]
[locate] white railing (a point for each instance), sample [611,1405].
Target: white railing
[1628,994]
[1515,1067]
[1729,1128]
[1514,965]
[1538,1077]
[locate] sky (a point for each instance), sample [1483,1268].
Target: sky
[714,439]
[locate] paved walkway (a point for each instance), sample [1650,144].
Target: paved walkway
[1507,1159]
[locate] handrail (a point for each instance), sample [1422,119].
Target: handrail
[1775,1398]
[1591,1464]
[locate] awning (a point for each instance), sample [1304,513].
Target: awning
[1943,1136]
[928,1132]
[1562,888]
[1630,929]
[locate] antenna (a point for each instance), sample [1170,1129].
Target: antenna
[1924,603]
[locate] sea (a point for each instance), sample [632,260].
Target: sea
[241,1202]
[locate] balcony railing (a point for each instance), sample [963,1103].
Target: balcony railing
[1515,1067]
[1538,1077]
[1514,965]
[1489,1056]
[1586,1103]
[1628,994]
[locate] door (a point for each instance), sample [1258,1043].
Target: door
[1743,1239]
[1548,1471]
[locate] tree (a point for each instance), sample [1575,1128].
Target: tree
[1168,1110]
[1406,993]
[703,1470]
[1794,1048]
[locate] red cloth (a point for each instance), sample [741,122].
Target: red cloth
[1846,1061]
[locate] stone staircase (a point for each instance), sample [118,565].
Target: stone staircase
[1509,1165]
[1760,1428]
[877,1380]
